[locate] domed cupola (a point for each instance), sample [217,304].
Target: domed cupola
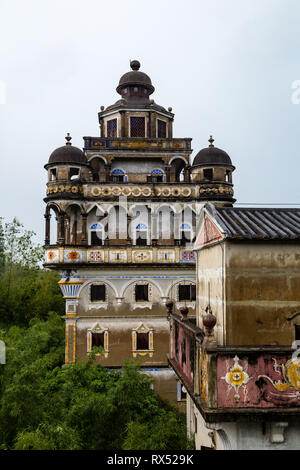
[67,154]
[212,156]
[135,85]
[67,163]
[212,168]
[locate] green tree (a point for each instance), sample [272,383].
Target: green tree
[80,406]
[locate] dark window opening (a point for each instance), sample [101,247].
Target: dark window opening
[98,339]
[98,292]
[141,292]
[182,393]
[53,174]
[117,178]
[142,341]
[112,128]
[161,129]
[297,332]
[141,239]
[137,127]
[96,237]
[73,173]
[208,174]
[155,179]
[185,237]
[187,292]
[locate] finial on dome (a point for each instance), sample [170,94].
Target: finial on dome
[68,139]
[211,140]
[135,64]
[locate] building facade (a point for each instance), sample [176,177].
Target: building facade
[239,358]
[124,210]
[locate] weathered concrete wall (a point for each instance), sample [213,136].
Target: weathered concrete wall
[262,291]
[210,287]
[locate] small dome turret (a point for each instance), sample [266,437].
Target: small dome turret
[67,154]
[212,156]
[135,78]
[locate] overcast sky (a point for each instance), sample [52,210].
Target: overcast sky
[225,66]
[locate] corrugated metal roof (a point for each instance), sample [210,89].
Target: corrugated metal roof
[259,223]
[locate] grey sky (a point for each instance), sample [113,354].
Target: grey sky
[225,66]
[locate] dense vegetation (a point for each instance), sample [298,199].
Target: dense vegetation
[82,406]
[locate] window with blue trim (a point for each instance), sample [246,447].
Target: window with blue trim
[96,234]
[118,176]
[141,233]
[157,176]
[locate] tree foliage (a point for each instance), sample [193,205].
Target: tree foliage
[46,405]
[81,406]
[26,290]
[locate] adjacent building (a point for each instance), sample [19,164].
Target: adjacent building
[238,357]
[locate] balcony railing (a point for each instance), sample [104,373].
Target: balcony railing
[231,379]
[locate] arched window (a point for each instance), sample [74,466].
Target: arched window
[141,234]
[118,176]
[157,176]
[185,233]
[96,234]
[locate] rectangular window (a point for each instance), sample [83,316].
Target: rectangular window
[98,339]
[141,292]
[117,178]
[53,174]
[208,174]
[98,292]
[96,237]
[187,292]
[137,127]
[142,341]
[161,129]
[112,128]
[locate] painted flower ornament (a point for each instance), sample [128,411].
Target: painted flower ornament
[236,377]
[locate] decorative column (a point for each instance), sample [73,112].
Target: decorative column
[47,228]
[60,229]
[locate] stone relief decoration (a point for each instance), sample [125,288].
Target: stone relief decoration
[287,388]
[187,256]
[96,256]
[208,234]
[98,329]
[266,381]
[142,352]
[73,256]
[136,191]
[53,189]
[118,256]
[237,377]
[142,256]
